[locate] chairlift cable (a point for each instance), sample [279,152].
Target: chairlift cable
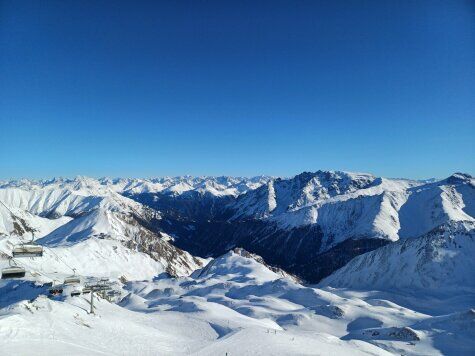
[19,264]
[59,258]
[23,241]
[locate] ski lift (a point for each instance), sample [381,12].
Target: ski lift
[30,249]
[75,293]
[13,271]
[87,288]
[72,279]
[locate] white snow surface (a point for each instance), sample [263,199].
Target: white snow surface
[235,306]
[442,259]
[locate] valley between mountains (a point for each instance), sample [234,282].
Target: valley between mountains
[322,262]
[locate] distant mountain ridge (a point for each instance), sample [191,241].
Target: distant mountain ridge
[314,223]
[217,186]
[310,224]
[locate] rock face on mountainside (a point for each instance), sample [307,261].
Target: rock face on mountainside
[439,260]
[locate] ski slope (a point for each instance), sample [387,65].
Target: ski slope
[236,306]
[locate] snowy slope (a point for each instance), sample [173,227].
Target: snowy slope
[89,258]
[441,259]
[14,221]
[233,262]
[103,256]
[434,204]
[110,238]
[74,199]
[236,306]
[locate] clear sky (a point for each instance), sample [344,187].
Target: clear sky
[139,89]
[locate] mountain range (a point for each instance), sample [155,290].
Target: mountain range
[310,225]
[329,261]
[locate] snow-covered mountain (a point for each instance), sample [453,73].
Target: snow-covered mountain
[314,223]
[281,196]
[85,216]
[235,305]
[412,236]
[65,198]
[436,203]
[310,224]
[72,197]
[216,186]
[441,259]
[18,222]
[215,266]
[349,205]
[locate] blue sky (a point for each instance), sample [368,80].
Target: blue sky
[109,88]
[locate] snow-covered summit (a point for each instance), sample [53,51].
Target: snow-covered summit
[241,262]
[216,186]
[279,195]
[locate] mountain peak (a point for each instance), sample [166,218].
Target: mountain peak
[460,178]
